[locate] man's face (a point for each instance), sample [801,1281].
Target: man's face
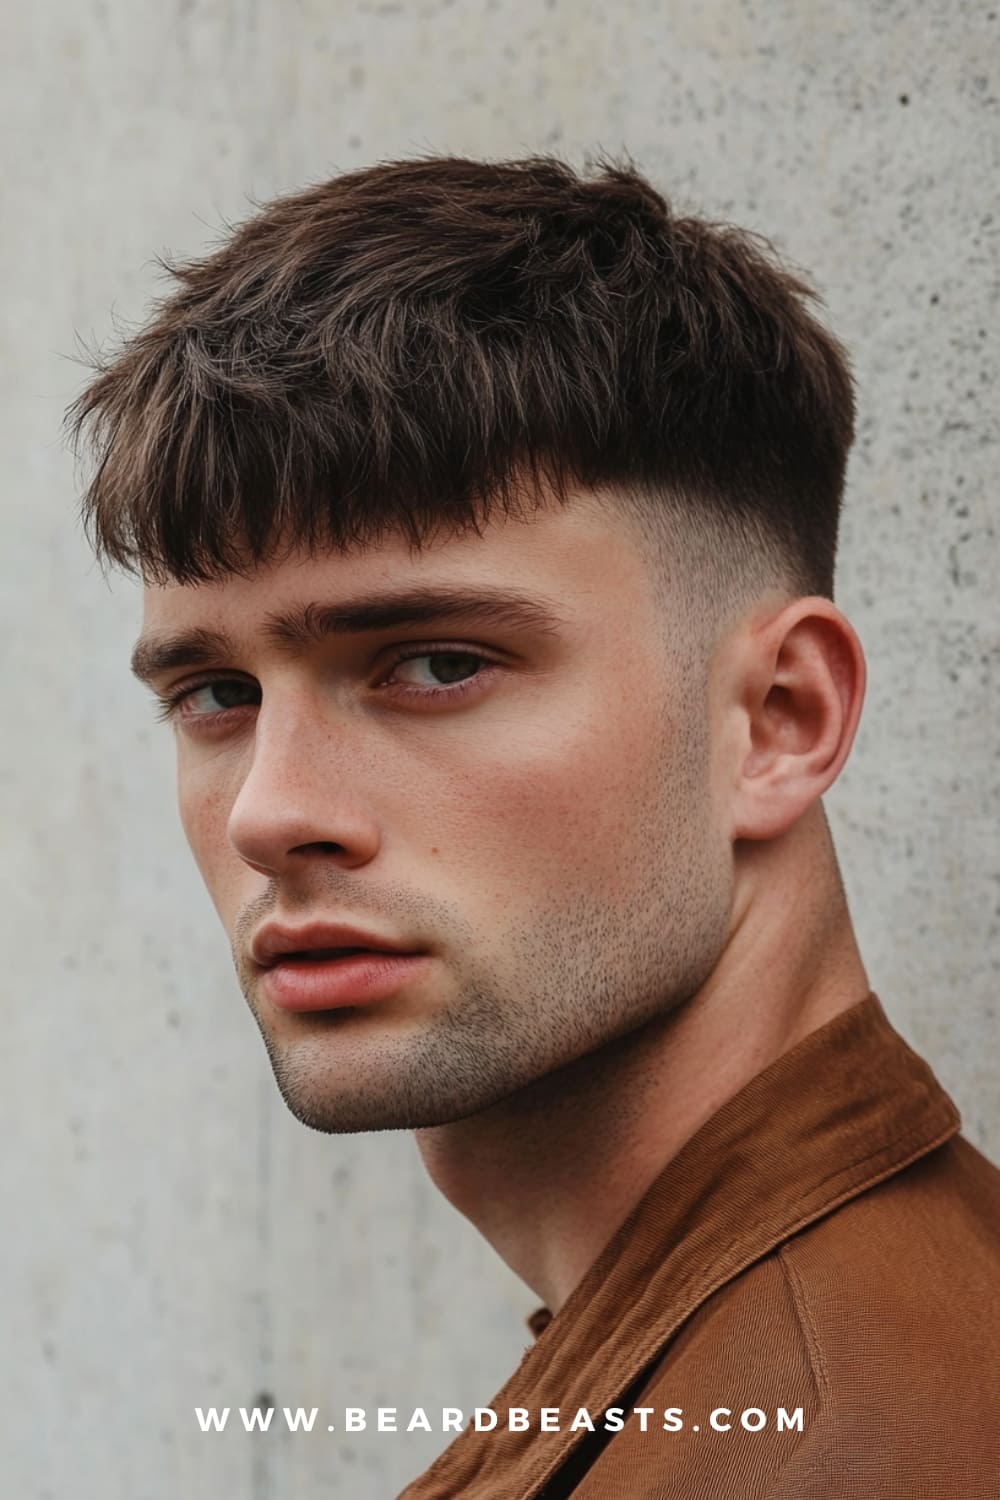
[521,792]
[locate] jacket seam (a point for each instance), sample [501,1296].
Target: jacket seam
[807,1323]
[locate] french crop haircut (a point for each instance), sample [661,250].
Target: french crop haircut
[414,346]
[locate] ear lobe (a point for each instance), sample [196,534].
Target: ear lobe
[804,694]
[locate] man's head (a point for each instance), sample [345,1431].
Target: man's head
[479,509]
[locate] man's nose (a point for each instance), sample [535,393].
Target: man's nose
[299,800]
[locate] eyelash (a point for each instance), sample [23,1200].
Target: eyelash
[170,703]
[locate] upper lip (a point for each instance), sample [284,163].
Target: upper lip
[274,940]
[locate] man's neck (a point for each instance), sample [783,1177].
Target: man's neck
[548,1174]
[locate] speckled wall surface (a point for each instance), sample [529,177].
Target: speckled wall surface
[172,1236]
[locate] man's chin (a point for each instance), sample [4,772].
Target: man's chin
[347,1113]
[364,1090]
[401,1069]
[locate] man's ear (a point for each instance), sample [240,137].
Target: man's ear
[799,688]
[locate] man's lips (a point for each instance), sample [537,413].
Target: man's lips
[278,940]
[300,983]
[323,966]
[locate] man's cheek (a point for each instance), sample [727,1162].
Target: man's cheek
[204,816]
[551,810]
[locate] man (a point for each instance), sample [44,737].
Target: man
[487,517]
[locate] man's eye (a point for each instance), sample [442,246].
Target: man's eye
[214,697]
[433,669]
[226,693]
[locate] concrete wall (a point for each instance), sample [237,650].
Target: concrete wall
[172,1237]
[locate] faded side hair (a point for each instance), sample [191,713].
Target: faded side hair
[416,345]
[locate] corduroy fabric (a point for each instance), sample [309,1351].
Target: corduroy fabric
[826,1241]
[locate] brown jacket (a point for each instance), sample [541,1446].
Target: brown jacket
[826,1245]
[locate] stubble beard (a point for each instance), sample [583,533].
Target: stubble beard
[584,972]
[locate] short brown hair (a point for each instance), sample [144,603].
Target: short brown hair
[402,346]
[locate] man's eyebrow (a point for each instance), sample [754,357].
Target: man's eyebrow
[312,623]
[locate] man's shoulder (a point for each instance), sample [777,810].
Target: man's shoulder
[924,1241]
[864,1348]
[897,1299]
[907,1269]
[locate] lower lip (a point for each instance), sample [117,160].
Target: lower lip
[328,983]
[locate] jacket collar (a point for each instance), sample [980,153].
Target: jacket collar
[848,1106]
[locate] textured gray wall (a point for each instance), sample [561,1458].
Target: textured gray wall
[171,1235]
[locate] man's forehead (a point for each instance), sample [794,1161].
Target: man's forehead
[539,575]
[554,541]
